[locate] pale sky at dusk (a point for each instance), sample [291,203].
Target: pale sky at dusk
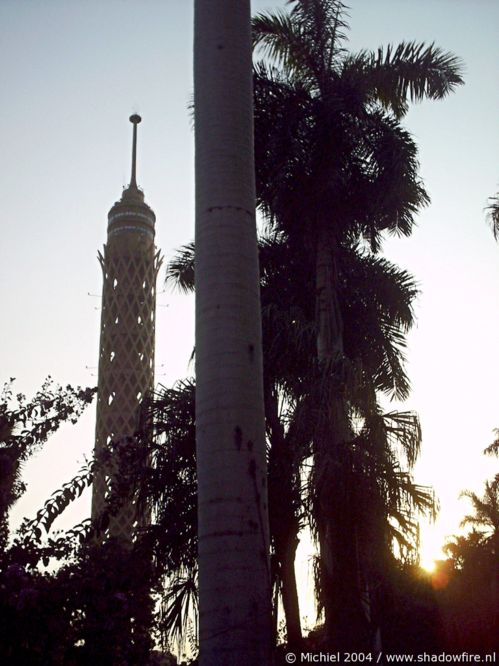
[71,73]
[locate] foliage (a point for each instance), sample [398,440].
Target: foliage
[493,448]
[25,427]
[467,585]
[377,300]
[35,619]
[95,610]
[335,172]
[485,517]
[328,141]
[328,144]
[493,214]
[34,605]
[410,616]
[470,597]
[99,605]
[168,488]
[485,514]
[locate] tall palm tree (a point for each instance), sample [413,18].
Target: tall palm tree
[377,300]
[338,167]
[234,569]
[333,161]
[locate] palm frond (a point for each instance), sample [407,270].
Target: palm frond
[493,449]
[280,39]
[493,215]
[169,483]
[485,509]
[180,606]
[377,304]
[284,125]
[404,430]
[410,71]
[180,270]
[323,27]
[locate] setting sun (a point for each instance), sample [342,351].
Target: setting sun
[428,565]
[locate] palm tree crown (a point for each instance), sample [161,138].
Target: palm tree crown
[327,121]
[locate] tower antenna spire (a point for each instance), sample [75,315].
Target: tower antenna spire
[135,120]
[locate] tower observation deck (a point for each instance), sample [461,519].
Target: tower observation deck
[130,263]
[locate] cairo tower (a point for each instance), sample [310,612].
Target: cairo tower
[130,264]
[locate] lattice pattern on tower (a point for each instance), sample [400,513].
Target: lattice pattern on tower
[126,362]
[130,265]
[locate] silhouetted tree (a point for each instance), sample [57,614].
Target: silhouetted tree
[35,615]
[470,597]
[334,166]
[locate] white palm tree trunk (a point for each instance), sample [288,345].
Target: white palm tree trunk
[234,576]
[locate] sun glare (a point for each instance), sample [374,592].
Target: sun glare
[432,539]
[428,565]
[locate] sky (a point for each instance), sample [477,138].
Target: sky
[71,73]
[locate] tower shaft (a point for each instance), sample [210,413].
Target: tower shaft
[130,264]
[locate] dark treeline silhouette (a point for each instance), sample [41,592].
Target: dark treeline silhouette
[469,579]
